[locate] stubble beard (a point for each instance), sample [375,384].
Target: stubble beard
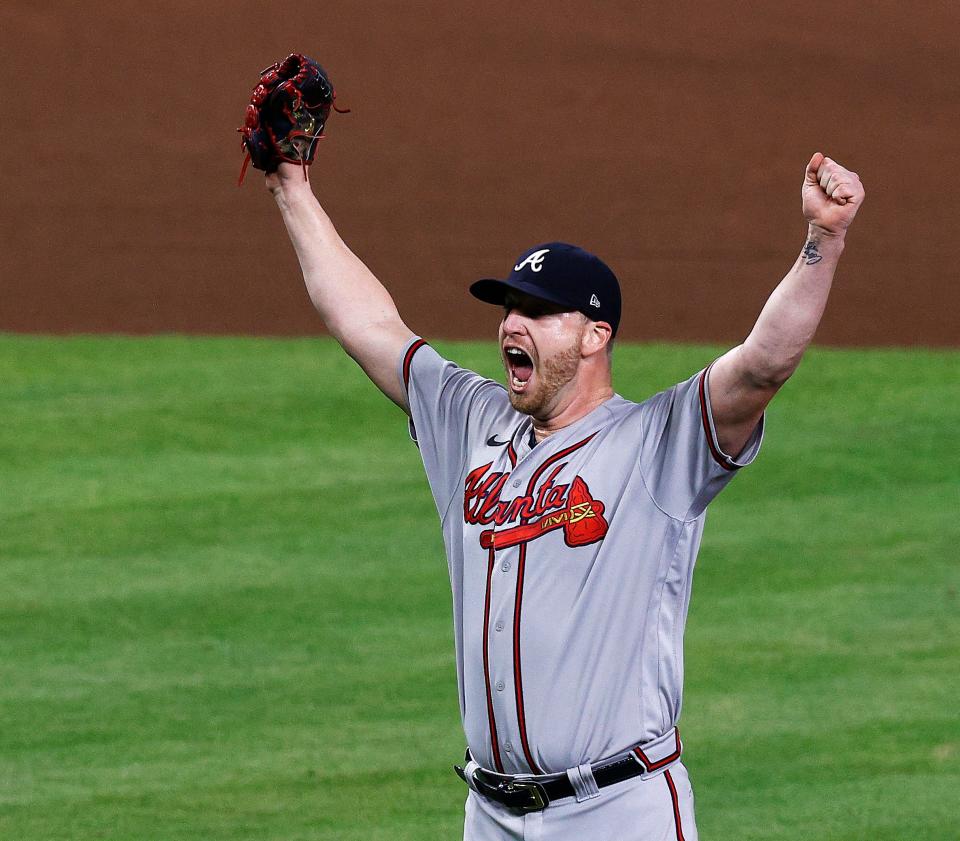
[556,372]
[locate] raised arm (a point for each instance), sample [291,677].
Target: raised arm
[357,309]
[744,380]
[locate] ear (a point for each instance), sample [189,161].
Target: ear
[595,337]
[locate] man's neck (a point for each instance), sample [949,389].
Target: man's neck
[578,408]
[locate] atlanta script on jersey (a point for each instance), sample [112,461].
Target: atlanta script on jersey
[570,562]
[550,506]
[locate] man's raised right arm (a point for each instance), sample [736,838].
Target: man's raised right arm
[357,309]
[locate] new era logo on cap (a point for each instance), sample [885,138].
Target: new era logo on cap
[562,274]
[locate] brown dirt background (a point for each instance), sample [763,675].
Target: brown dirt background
[668,138]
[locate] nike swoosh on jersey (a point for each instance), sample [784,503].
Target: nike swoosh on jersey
[493,442]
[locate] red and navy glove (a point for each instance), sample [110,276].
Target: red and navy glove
[286,115]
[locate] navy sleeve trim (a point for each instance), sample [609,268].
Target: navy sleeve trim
[719,456]
[408,361]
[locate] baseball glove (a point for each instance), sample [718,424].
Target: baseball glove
[286,115]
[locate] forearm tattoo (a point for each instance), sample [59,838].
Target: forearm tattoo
[810,253]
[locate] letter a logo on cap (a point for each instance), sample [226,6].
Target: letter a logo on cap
[535,261]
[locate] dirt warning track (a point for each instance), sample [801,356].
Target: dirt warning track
[670,141]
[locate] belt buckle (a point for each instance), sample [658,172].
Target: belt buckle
[537,793]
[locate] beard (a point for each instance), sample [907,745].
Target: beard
[553,375]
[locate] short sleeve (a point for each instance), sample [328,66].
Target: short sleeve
[446,402]
[681,459]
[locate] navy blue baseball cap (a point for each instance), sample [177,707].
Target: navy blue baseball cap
[562,274]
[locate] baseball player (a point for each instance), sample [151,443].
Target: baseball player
[571,516]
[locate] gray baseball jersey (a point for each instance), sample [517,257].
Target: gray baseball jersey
[570,561]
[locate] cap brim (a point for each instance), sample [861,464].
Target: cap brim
[492,290]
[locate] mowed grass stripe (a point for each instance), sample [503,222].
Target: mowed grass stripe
[225,613]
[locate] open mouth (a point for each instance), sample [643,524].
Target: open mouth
[519,365]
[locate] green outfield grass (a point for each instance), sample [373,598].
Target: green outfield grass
[224,611]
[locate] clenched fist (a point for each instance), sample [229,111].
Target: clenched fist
[832,195]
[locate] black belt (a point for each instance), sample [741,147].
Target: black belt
[532,794]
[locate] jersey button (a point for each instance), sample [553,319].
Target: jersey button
[499,686]
[508,747]
[499,626]
[505,566]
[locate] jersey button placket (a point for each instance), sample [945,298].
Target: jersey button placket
[501,651]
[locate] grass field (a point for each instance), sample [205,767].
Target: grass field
[224,611]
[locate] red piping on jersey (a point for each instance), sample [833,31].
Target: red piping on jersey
[676,805]
[656,766]
[491,719]
[725,462]
[555,457]
[517,672]
[517,610]
[408,359]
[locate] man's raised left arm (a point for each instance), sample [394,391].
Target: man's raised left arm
[743,381]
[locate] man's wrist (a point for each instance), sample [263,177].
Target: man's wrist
[821,244]
[291,193]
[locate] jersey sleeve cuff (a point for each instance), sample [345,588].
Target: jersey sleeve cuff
[406,361]
[404,368]
[727,462]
